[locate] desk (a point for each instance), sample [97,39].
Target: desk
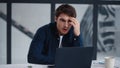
[100,63]
[95,64]
[41,66]
[23,66]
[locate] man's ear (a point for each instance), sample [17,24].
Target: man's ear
[55,18]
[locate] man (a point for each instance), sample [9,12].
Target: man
[64,32]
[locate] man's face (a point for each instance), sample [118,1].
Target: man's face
[63,23]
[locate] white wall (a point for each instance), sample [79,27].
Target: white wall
[117,32]
[3,35]
[31,16]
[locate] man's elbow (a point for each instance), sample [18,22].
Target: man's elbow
[32,60]
[29,60]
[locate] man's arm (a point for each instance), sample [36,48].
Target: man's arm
[77,41]
[76,25]
[35,54]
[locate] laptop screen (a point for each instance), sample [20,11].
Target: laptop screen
[73,57]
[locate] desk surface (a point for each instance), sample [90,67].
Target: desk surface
[95,64]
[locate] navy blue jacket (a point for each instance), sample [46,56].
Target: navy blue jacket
[46,40]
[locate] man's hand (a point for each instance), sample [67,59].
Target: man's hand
[76,25]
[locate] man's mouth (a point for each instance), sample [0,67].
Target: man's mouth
[64,30]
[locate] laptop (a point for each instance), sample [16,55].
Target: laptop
[73,57]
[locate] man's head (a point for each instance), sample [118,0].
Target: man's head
[63,16]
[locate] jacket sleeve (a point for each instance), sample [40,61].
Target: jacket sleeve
[35,54]
[77,41]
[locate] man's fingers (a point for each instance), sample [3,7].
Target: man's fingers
[74,20]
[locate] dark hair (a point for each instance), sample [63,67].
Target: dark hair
[66,9]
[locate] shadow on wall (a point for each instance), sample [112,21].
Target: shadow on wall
[106,28]
[18,26]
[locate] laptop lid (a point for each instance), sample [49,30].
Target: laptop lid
[73,57]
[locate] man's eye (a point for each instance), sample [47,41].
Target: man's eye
[62,20]
[69,21]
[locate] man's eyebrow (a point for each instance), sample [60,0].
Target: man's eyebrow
[62,19]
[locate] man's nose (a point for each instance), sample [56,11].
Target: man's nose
[66,24]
